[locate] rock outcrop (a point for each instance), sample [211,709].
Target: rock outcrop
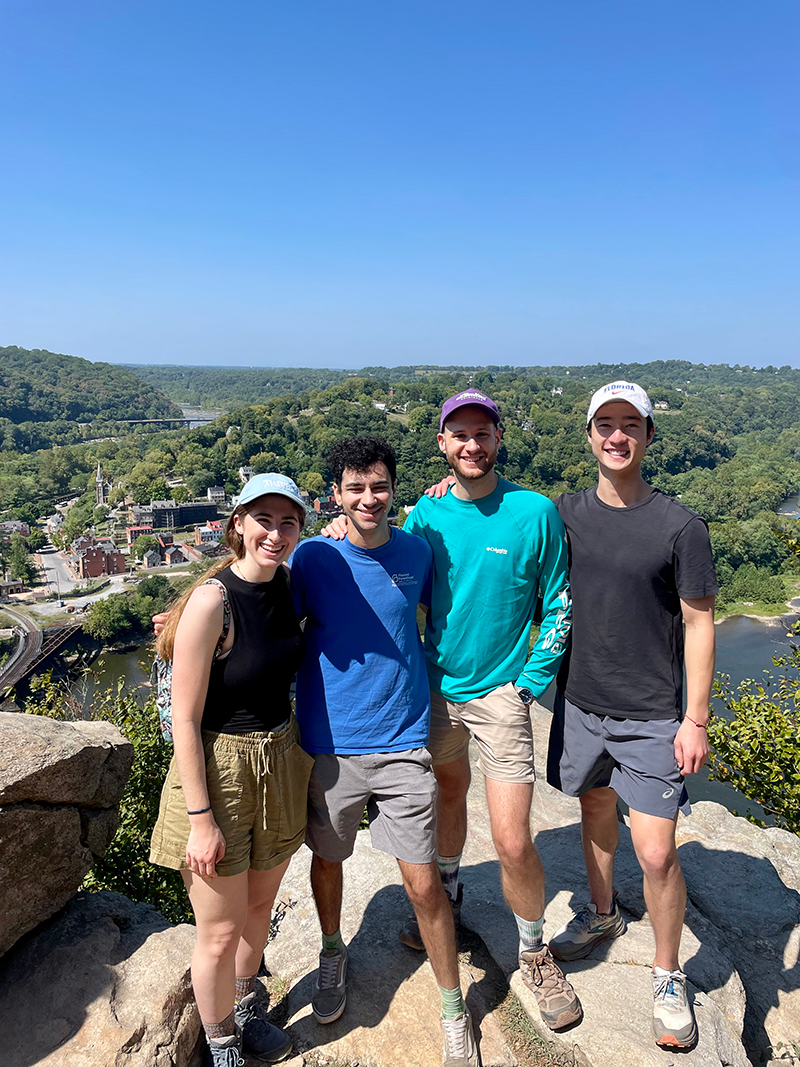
[740,947]
[104,983]
[60,785]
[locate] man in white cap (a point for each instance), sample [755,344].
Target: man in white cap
[641,571]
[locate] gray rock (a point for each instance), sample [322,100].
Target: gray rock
[53,762]
[60,784]
[106,982]
[392,1014]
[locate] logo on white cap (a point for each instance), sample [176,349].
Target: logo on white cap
[615,391]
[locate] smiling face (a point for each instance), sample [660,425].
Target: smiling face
[270,529]
[619,437]
[470,440]
[366,497]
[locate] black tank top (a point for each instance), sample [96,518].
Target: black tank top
[248,690]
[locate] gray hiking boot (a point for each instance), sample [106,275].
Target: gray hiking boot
[224,1051]
[586,929]
[329,994]
[673,1021]
[410,934]
[260,1039]
[460,1049]
[558,1002]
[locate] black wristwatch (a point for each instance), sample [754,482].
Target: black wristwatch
[526,696]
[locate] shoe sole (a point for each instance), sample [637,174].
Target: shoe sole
[323,1020]
[673,1041]
[272,1058]
[568,1017]
[582,951]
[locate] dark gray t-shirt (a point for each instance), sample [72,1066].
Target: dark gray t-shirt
[629,570]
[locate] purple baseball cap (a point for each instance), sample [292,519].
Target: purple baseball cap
[469,398]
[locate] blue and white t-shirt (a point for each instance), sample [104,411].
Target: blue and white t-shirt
[363,686]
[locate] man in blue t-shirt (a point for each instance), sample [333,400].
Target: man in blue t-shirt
[364,713]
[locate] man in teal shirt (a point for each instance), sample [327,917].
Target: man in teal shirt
[495,546]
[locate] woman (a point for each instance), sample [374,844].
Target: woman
[233,807]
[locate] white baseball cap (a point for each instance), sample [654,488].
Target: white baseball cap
[627,391]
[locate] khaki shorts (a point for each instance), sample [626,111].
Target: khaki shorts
[258,791]
[499,722]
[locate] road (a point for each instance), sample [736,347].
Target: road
[56,571]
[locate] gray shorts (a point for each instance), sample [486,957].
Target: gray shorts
[399,792]
[633,757]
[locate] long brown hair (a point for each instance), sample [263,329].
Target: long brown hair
[165,642]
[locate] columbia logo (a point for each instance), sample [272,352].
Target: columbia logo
[499,551]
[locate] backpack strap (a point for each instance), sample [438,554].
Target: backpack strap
[226,614]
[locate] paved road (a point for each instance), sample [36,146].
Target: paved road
[56,571]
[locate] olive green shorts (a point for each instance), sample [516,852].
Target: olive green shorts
[258,791]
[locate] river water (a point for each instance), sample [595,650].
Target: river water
[745,648]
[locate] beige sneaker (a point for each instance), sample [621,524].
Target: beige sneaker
[558,1002]
[460,1049]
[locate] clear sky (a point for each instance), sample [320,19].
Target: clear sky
[320,183]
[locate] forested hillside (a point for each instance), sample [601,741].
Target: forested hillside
[42,393]
[727,442]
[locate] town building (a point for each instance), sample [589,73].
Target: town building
[216,494]
[13,526]
[93,558]
[169,515]
[132,532]
[246,473]
[102,488]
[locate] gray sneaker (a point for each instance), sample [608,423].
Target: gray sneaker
[260,1039]
[460,1049]
[329,995]
[224,1051]
[410,934]
[586,929]
[558,1002]
[673,1021]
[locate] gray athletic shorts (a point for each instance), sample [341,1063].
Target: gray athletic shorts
[635,758]
[399,792]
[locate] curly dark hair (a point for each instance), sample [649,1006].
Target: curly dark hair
[359,454]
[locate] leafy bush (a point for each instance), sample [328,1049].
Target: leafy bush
[125,868]
[758,750]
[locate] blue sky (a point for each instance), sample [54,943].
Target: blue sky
[352,183]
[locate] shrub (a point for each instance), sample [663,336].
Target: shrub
[758,749]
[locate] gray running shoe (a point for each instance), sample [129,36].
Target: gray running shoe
[260,1039]
[673,1021]
[558,1002]
[224,1051]
[586,929]
[410,934]
[329,995]
[460,1049]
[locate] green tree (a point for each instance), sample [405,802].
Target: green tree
[20,563]
[143,543]
[758,749]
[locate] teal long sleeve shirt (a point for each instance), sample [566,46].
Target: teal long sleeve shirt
[490,559]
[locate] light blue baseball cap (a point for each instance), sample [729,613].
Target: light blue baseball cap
[277,484]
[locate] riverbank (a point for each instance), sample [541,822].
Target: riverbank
[764,611]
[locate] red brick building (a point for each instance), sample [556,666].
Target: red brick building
[92,558]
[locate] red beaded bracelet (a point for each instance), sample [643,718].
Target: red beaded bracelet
[702,725]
